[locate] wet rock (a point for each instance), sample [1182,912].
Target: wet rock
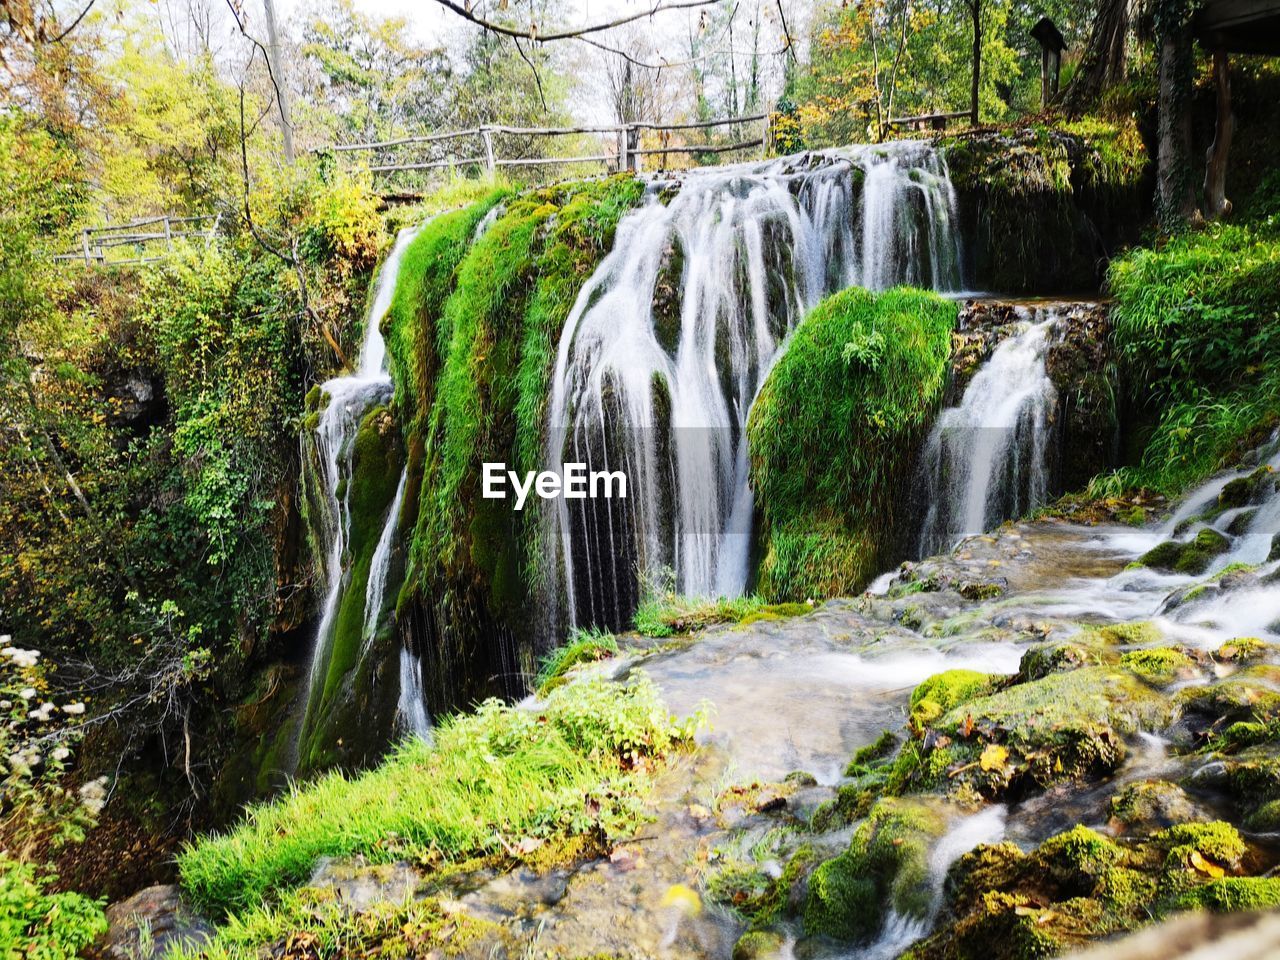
[359,885]
[1150,805]
[151,922]
[886,866]
[758,945]
[1191,556]
[982,589]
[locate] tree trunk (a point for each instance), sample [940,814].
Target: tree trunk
[1104,61]
[975,8]
[1216,204]
[1176,202]
[279,80]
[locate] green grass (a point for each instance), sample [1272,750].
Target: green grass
[670,614]
[500,774]
[1197,328]
[583,646]
[832,433]
[387,929]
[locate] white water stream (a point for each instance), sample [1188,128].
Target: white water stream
[985,459]
[350,398]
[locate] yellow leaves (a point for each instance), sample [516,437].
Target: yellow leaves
[1207,867]
[994,757]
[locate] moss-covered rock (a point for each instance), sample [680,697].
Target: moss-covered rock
[1079,886]
[1042,208]
[945,691]
[1191,556]
[1158,665]
[831,435]
[1149,805]
[885,866]
[1062,726]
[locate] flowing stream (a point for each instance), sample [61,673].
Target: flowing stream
[349,399]
[671,338]
[985,459]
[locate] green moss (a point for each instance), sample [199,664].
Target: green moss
[1157,665]
[478,338]
[1233,893]
[1193,556]
[943,691]
[1142,632]
[584,646]
[776,611]
[375,472]
[1148,804]
[865,757]
[885,866]
[757,945]
[831,435]
[1217,841]
[1060,727]
[1243,650]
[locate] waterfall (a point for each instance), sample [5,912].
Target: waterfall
[349,399]
[673,335]
[985,459]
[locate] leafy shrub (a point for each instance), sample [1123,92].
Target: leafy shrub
[41,925]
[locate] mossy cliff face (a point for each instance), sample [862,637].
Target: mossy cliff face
[473,331]
[1042,209]
[352,706]
[832,435]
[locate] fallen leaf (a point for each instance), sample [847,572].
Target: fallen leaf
[994,757]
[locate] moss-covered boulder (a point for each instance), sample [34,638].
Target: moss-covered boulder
[1078,886]
[1026,736]
[1190,556]
[945,691]
[832,435]
[885,867]
[1148,805]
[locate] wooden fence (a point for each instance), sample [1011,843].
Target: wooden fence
[143,237]
[476,147]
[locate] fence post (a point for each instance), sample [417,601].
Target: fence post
[84,244]
[168,233]
[488,151]
[633,146]
[764,136]
[624,162]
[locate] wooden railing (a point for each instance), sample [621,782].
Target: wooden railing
[143,236]
[479,149]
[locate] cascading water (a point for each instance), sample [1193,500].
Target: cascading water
[349,399]
[671,338]
[986,458]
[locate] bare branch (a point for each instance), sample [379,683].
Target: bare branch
[74,23]
[576,33]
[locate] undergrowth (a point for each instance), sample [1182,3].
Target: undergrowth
[1197,326]
[832,431]
[490,780]
[583,646]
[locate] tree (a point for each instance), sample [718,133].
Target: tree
[1104,61]
[367,79]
